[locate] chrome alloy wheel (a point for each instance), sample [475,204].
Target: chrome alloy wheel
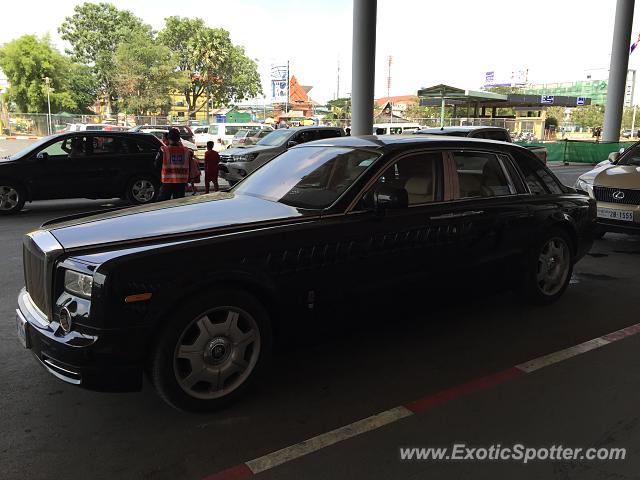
[143,190]
[9,198]
[216,353]
[553,266]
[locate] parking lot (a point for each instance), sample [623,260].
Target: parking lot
[448,362]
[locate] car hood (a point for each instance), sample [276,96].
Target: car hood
[618,176]
[175,219]
[250,149]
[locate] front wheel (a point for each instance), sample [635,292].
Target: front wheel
[549,268]
[12,197]
[211,351]
[142,190]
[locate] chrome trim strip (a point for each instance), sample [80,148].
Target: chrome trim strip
[52,368]
[37,314]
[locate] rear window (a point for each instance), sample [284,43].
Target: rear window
[539,180]
[228,130]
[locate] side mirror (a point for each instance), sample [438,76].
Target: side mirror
[42,156]
[394,199]
[291,143]
[614,156]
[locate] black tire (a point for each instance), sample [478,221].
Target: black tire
[542,262]
[12,197]
[208,355]
[142,189]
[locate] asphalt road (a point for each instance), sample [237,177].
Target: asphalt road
[377,360]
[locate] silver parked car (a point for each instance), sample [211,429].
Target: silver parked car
[237,163]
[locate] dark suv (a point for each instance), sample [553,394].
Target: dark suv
[81,165]
[237,163]
[185,132]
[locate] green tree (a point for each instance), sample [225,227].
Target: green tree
[588,116]
[557,113]
[627,116]
[217,69]
[146,75]
[95,31]
[26,61]
[339,108]
[82,86]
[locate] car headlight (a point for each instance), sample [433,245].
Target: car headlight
[78,283]
[584,186]
[247,157]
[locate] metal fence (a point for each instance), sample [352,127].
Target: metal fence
[37,124]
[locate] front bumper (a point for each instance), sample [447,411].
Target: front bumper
[97,361]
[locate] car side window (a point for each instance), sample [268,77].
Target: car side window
[328,133]
[58,148]
[213,130]
[107,146]
[417,174]
[304,136]
[480,175]
[539,181]
[495,135]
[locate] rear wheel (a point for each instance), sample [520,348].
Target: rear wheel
[142,190]
[212,351]
[12,197]
[549,268]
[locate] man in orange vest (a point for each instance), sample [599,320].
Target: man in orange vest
[175,167]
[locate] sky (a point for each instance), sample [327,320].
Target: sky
[430,42]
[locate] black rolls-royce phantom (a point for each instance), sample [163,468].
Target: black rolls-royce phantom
[190,291]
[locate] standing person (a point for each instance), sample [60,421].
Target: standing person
[175,167]
[211,161]
[165,138]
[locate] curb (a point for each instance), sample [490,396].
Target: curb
[22,137]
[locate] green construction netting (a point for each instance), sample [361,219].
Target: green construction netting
[578,151]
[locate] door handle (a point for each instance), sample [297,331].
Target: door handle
[458,215]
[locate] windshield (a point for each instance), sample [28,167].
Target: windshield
[276,138]
[29,148]
[310,177]
[631,156]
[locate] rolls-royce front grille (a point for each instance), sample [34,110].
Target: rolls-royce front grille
[617,195]
[35,274]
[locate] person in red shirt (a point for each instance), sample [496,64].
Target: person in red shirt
[211,160]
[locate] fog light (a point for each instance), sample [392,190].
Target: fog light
[65,319]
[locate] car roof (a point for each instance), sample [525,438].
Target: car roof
[465,128]
[395,142]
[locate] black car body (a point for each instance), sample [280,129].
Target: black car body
[90,164]
[108,294]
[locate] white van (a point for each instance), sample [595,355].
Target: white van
[221,134]
[395,128]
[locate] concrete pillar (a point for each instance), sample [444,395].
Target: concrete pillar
[363,66]
[618,70]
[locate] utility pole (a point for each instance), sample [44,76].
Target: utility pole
[47,81]
[389,90]
[338,81]
[286,108]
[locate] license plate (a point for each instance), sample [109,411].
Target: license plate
[23,331]
[612,214]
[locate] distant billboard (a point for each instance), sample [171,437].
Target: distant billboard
[279,80]
[513,78]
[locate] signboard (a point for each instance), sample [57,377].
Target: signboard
[511,78]
[548,99]
[580,101]
[279,80]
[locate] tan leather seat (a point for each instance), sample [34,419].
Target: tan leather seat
[419,190]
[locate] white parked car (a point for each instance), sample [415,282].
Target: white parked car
[159,133]
[221,134]
[395,128]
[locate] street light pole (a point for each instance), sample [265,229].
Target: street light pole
[47,80]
